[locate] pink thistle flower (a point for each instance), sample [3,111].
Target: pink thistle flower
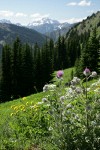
[86,72]
[60,74]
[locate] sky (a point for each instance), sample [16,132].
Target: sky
[26,11]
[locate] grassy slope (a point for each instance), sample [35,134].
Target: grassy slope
[5,108]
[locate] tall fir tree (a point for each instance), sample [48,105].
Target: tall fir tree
[16,52]
[89,57]
[6,81]
[26,81]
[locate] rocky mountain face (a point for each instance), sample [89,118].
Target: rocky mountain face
[49,27]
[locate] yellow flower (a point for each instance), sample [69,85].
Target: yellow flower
[23,98]
[27,103]
[12,106]
[11,114]
[35,106]
[23,108]
[16,107]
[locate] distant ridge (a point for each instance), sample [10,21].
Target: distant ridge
[9,32]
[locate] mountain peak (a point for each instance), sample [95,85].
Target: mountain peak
[5,21]
[43,21]
[47,25]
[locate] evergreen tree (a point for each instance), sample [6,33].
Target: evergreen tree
[38,69]
[59,54]
[90,56]
[6,74]
[26,80]
[64,55]
[16,60]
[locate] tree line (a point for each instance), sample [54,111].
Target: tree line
[25,69]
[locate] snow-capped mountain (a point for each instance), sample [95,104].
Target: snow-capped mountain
[5,21]
[9,22]
[47,25]
[43,21]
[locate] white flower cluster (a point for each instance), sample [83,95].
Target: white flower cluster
[48,87]
[75,81]
[44,99]
[73,92]
[93,74]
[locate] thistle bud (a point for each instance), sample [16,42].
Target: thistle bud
[60,74]
[86,72]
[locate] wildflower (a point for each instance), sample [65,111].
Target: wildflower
[86,72]
[16,108]
[23,98]
[73,87]
[44,99]
[76,117]
[22,108]
[35,106]
[60,74]
[31,107]
[93,123]
[93,74]
[27,103]
[39,103]
[78,90]
[70,91]
[69,106]
[12,106]
[47,105]
[45,88]
[62,98]
[11,114]
[75,80]
[51,87]
[88,89]
[50,128]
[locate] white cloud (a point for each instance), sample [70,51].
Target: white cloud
[35,15]
[81,3]
[38,16]
[84,3]
[20,15]
[6,13]
[72,20]
[72,4]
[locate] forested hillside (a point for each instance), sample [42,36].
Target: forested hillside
[85,36]
[9,32]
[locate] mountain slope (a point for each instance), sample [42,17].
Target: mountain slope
[9,32]
[87,25]
[62,31]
